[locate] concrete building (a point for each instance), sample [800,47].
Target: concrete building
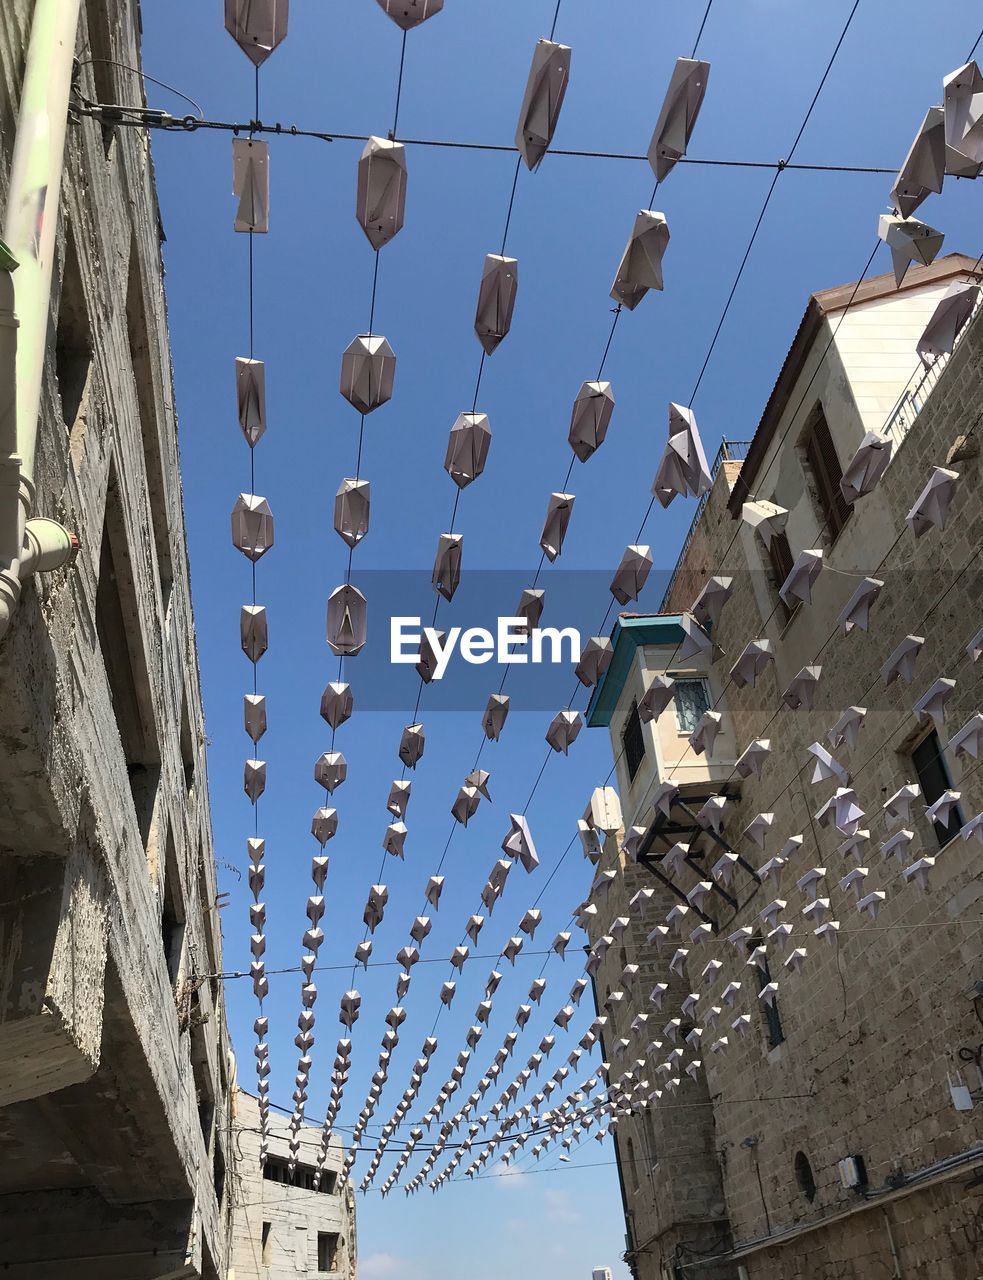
[833,1124]
[282,1226]
[115,1066]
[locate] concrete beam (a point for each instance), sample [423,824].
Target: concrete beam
[53,947]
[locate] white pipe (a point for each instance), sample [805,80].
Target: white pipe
[30,228]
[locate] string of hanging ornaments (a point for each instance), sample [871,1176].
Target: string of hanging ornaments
[929,510]
[466,455]
[257,31]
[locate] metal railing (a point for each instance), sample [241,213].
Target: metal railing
[729,451]
[921,385]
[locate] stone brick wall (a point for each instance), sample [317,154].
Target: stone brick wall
[874,1024]
[104,799]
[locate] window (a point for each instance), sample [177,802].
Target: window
[827,473]
[73,350]
[933,777]
[804,1176]
[327,1250]
[267,1244]
[773,1019]
[150,423]
[278,1170]
[172,912]
[118,629]
[780,556]
[633,741]
[691,702]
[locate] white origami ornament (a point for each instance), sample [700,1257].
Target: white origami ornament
[346,628]
[254,715]
[963,107]
[862,474]
[711,816]
[941,810]
[656,698]
[594,661]
[465,805]
[683,469]
[252,526]
[909,241]
[933,503]
[496,713]
[640,268]
[709,604]
[411,745]
[705,734]
[254,779]
[467,448]
[543,98]
[394,840]
[752,662]
[898,807]
[253,631]
[590,418]
[680,109]
[380,202]
[924,165]
[767,519]
[752,760]
[856,611]
[953,310]
[968,740]
[801,691]
[800,581]
[847,728]
[901,662]
[257,26]
[368,371]
[496,300]
[518,843]
[408,14]
[842,810]
[555,525]
[251,184]
[351,511]
[399,798]
[251,398]
[631,574]
[918,873]
[931,705]
[758,828]
[695,640]
[826,766]
[336,704]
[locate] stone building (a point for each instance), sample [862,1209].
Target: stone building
[283,1227]
[115,1066]
[817,1095]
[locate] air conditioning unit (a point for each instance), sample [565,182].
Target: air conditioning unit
[601,1273]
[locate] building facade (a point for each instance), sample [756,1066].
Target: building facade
[115,1064]
[282,1226]
[808,1001]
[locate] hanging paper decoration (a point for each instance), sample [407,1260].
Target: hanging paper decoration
[590,418]
[346,630]
[752,662]
[752,761]
[677,119]
[901,662]
[931,705]
[683,469]
[558,514]
[252,526]
[709,604]
[337,703]
[856,611]
[705,734]
[257,26]
[380,202]
[631,574]
[330,770]
[324,825]
[695,640]
[368,371]
[408,14]
[660,693]
[863,472]
[968,740]
[496,300]
[254,779]
[467,448]
[446,576]
[963,107]
[909,241]
[924,165]
[594,661]
[411,745]
[466,804]
[801,692]
[898,807]
[518,843]
[251,398]
[800,581]
[253,631]
[496,713]
[847,728]
[950,315]
[351,511]
[640,268]
[933,503]
[711,815]
[543,98]
[399,798]
[251,185]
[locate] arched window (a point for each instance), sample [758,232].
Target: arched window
[804,1176]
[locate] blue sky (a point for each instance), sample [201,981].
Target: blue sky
[464,76]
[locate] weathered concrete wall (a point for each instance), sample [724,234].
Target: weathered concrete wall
[277,1223]
[112,1035]
[874,1024]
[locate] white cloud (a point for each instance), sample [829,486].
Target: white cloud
[383,1266]
[512,1179]
[558,1206]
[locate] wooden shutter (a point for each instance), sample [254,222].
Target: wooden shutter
[780,555]
[825,467]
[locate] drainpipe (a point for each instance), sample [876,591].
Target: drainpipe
[31,546]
